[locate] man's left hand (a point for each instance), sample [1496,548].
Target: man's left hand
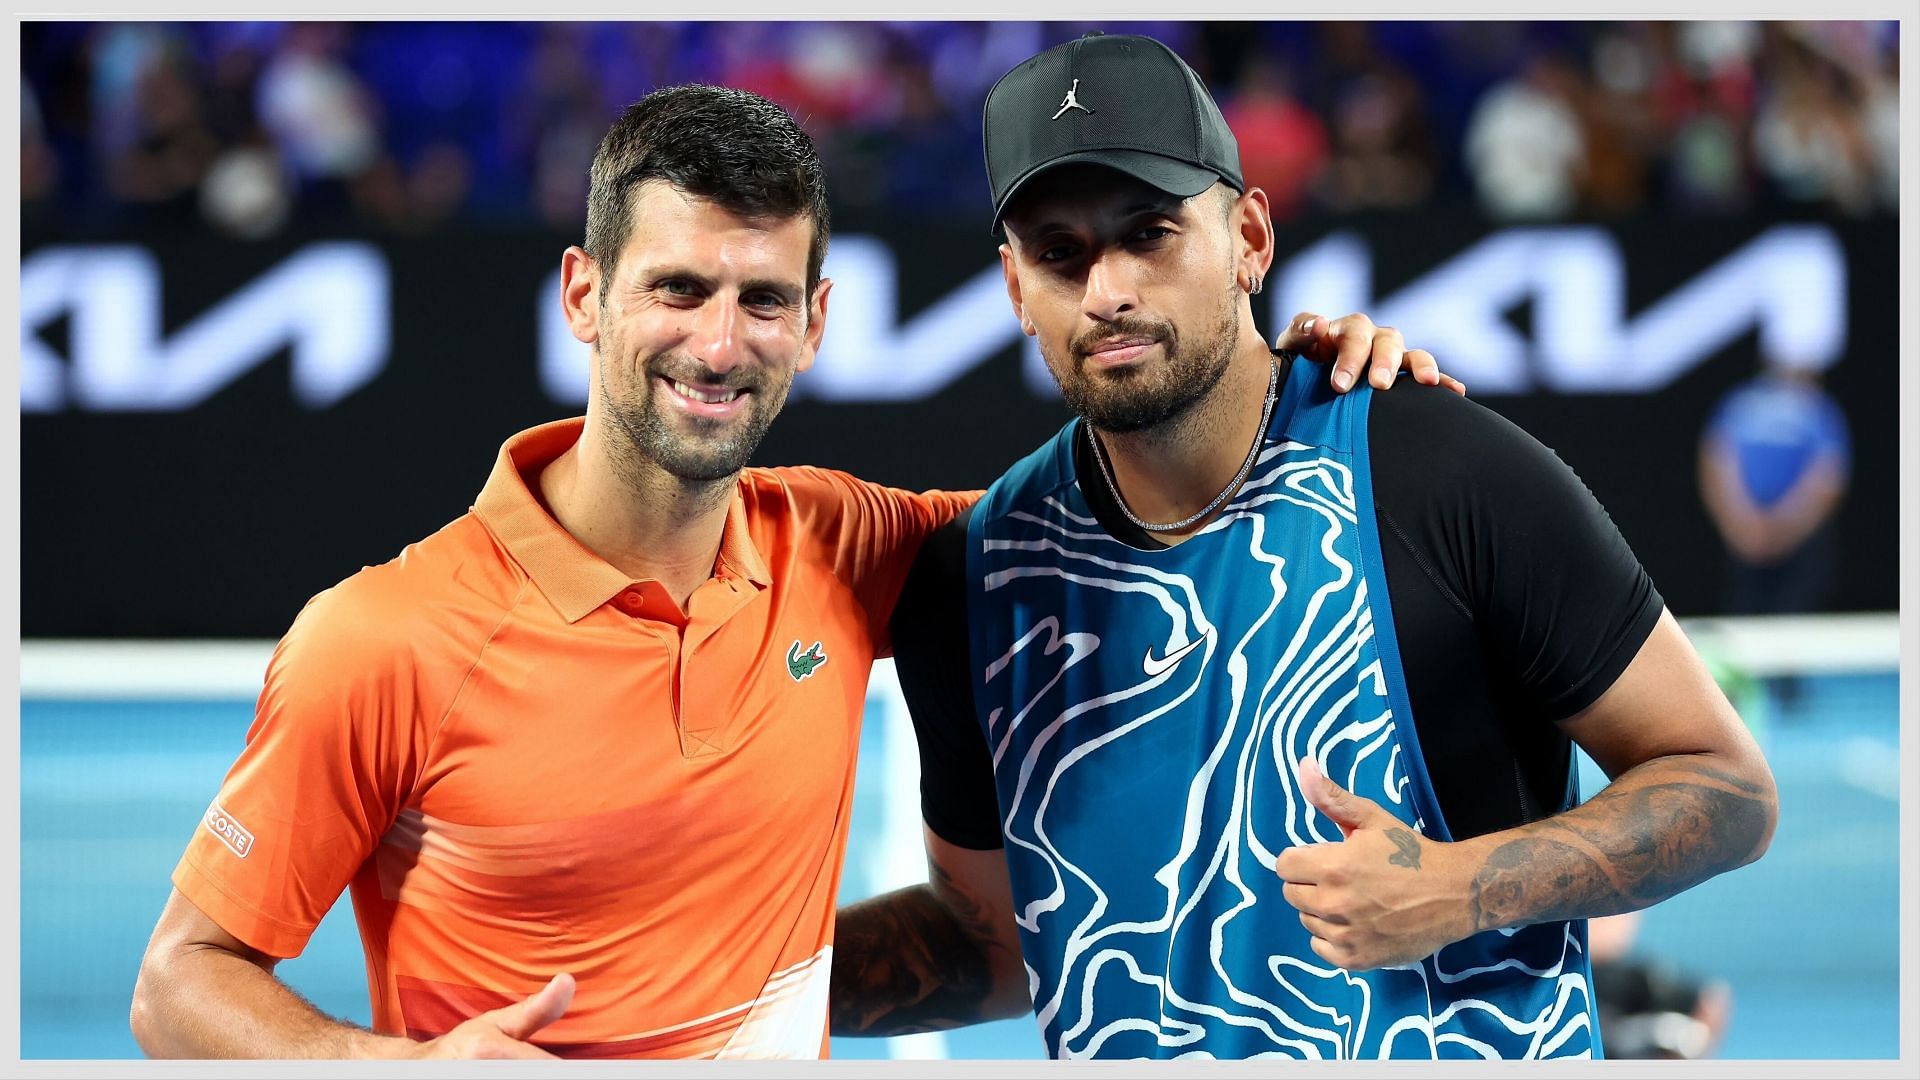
[1351,343]
[1383,895]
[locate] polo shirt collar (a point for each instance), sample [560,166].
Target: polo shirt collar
[574,579]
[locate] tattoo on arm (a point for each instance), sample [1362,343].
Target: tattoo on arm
[916,959]
[1634,844]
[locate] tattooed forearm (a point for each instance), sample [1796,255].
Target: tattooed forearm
[912,960]
[1657,830]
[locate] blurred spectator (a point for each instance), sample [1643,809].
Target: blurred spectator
[560,169]
[1809,138]
[1701,100]
[119,56]
[1617,117]
[1864,60]
[411,124]
[1283,145]
[319,113]
[437,184]
[1648,1008]
[168,147]
[1382,157]
[554,120]
[1882,122]
[39,167]
[1774,463]
[1525,145]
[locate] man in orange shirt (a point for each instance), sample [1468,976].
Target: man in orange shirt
[603,725]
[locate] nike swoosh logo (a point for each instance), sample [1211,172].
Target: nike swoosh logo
[1155,667]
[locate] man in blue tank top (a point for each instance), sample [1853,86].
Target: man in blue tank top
[1246,708]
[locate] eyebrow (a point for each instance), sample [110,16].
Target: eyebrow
[787,290]
[1166,206]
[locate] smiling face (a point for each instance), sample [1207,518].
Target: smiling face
[698,332]
[1130,292]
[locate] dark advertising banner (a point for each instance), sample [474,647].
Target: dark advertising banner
[213,431]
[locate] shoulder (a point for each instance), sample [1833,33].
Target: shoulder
[808,490]
[1444,439]
[433,604]
[810,493]
[1042,472]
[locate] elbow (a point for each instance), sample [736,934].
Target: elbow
[1011,995]
[140,1016]
[1764,811]
[146,1016]
[1008,1002]
[1772,818]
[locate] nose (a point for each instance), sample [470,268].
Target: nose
[1110,287]
[717,341]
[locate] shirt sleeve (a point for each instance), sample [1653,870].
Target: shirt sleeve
[328,761]
[931,656]
[877,532]
[1559,602]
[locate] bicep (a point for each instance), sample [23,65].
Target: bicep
[1664,704]
[874,533]
[1558,601]
[931,658]
[1557,593]
[184,927]
[327,763]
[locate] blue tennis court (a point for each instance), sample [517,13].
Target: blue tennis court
[1808,937]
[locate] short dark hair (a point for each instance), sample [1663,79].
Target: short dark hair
[734,148]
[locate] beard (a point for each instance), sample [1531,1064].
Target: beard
[692,448]
[1131,399]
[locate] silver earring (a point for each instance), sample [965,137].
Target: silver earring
[1253,288]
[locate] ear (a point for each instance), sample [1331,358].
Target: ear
[1012,275]
[1253,233]
[580,294]
[816,325]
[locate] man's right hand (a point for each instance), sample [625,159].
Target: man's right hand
[504,1032]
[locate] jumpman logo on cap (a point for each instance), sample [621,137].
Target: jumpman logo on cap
[1071,102]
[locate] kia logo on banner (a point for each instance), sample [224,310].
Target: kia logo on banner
[330,304]
[1790,282]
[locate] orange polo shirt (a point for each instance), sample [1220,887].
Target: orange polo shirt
[522,762]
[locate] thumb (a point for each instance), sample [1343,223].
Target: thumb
[521,1020]
[1349,811]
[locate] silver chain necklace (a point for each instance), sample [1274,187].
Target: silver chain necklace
[1253,452]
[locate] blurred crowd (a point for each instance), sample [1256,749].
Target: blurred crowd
[404,126]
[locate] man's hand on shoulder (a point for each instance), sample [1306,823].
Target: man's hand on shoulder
[1349,343]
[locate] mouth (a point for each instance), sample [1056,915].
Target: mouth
[709,402]
[1116,351]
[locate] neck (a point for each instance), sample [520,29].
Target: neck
[1172,470]
[636,516]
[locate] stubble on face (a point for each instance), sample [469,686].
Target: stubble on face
[693,449]
[1139,398]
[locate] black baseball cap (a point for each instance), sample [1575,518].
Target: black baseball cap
[1123,101]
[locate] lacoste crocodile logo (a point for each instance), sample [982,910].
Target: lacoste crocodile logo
[800,665]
